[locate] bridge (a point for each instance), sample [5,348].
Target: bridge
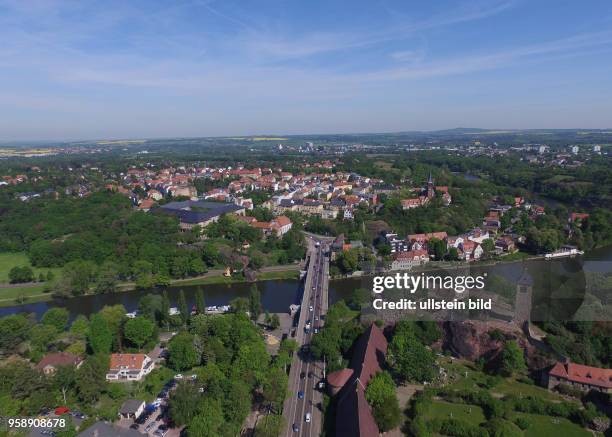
[302,409]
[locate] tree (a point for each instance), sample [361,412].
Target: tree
[274,388]
[165,307]
[512,359]
[488,246]
[183,404]
[183,308]
[183,354]
[100,336]
[270,425]
[380,394]
[21,274]
[90,378]
[255,306]
[240,305]
[210,254]
[209,421]
[41,336]
[14,329]
[56,317]
[200,303]
[107,278]
[80,327]
[150,306]
[410,358]
[139,330]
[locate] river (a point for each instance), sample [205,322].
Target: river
[277,295]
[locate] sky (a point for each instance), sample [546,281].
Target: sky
[80,69]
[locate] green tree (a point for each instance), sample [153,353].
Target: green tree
[255,306]
[200,303]
[184,404]
[80,327]
[14,330]
[380,394]
[183,354]
[21,274]
[150,306]
[512,359]
[183,308]
[56,317]
[270,425]
[209,422]
[108,278]
[100,336]
[410,358]
[139,330]
[91,378]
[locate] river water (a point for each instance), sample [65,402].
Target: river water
[277,295]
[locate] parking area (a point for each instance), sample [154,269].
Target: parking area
[154,421]
[76,416]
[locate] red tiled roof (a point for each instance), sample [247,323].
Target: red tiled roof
[130,361]
[339,377]
[583,374]
[354,416]
[59,359]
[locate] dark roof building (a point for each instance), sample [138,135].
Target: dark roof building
[199,212]
[103,429]
[353,413]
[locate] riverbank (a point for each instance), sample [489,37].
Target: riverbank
[33,293]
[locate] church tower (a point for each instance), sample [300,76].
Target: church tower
[431,189]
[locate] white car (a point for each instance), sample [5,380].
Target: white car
[179,376]
[194,376]
[311,308]
[307,418]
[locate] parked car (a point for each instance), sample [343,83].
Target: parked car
[178,376]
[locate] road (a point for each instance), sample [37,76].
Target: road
[306,373]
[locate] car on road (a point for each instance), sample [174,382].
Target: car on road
[310,374]
[300,395]
[303,375]
[134,426]
[150,426]
[307,418]
[311,308]
[179,376]
[296,428]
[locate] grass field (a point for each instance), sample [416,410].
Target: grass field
[468,377]
[546,426]
[8,260]
[445,410]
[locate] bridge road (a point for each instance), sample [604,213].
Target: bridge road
[305,373]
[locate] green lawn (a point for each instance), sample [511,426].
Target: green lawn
[547,426]
[8,260]
[26,294]
[445,410]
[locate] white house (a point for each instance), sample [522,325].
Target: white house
[129,367]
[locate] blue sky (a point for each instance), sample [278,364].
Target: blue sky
[131,69]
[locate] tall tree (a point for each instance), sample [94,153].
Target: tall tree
[139,330]
[182,307]
[255,306]
[199,301]
[100,336]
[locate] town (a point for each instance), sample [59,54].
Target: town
[174,230]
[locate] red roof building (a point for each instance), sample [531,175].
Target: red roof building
[581,377]
[353,413]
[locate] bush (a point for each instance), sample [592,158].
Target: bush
[522,423]
[18,275]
